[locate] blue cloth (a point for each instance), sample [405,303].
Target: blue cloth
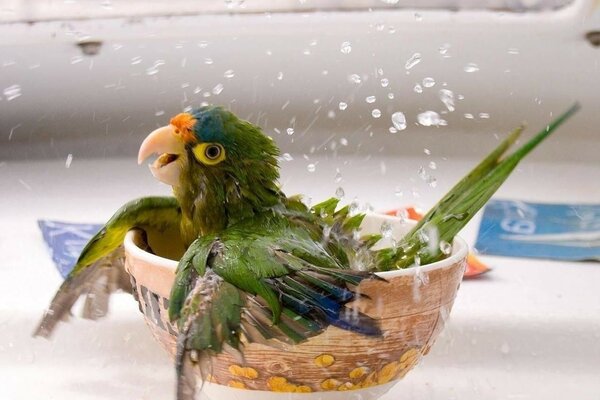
[553,231]
[65,241]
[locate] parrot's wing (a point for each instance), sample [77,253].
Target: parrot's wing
[272,291]
[99,271]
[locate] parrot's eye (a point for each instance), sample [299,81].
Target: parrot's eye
[209,153]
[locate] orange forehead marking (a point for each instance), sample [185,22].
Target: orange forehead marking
[184,122]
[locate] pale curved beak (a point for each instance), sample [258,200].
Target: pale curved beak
[169,147]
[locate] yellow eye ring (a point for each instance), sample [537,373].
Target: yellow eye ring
[209,153]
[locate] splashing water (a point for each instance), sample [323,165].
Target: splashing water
[12,92]
[447,97]
[412,61]
[342,106]
[354,78]
[418,88]
[290,131]
[385,82]
[428,82]
[217,89]
[370,99]
[346,48]
[430,118]
[229,74]
[445,247]
[399,120]
[311,167]
[471,67]
[376,113]
[339,193]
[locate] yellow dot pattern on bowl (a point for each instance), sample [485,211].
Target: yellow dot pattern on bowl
[243,372]
[330,384]
[281,384]
[358,373]
[324,360]
[236,384]
[360,377]
[388,372]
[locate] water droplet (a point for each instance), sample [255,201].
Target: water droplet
[432,165]
[217,89]
[290,131]
[153,70]
[370,99]
[202,44]
[484,115]
[431,181]
[399,120]
[391,129]
[471,67]
[159,113]
[342,105]
[380,27]
[311,167]
[339,192]
[427,151]
[391,96]
[445,247]
[444,49]
[76,59]
[447,97]
[398,192]
[69,160]
[344,142]
[422,173]
[287,157]
[229,74]
[428,82]
[197,89]
[430,118]
[12,92]
[346,47]
[418,88]
[208,61]
[354,78]
[386,229]
[306,52]
[280,76]
[338,176]
[469,116]
[385,82]
[513,50]
[376,113]
[413,60]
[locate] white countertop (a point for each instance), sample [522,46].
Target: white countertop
[530,329]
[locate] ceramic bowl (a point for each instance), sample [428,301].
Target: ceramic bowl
[411,306]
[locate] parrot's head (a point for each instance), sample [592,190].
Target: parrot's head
[212,159]
[209,141]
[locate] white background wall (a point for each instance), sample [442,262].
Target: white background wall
[289,72]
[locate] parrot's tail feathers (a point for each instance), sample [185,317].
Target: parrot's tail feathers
[184,369]
[95,283]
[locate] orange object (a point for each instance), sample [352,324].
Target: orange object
[475,267]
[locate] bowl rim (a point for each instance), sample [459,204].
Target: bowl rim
[459,252]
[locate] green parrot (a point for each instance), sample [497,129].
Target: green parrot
[259,264]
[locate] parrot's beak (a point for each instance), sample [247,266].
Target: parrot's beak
[169,147]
